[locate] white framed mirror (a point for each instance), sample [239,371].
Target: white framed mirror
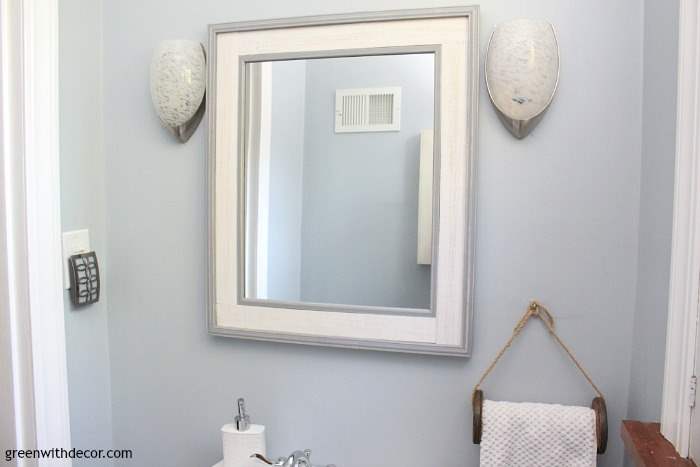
[341,175]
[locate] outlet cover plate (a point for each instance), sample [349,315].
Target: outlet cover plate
[74,242]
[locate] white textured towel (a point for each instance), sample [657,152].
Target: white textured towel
[523,434]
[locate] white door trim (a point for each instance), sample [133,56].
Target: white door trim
[684,290]
[31,294]
[10,432]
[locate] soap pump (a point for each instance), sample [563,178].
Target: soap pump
[242,419]
[241,439]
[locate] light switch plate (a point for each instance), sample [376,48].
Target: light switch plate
[74,242]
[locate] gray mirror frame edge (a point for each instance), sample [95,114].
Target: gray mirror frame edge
[472,13]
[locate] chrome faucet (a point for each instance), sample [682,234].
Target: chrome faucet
[295,459]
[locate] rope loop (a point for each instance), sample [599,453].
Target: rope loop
[535,309]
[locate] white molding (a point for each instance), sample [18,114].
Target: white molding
[14,292]
[32,287]
[18,416]
[684,290]
[44,224]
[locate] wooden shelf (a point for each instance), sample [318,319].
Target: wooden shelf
[648,448]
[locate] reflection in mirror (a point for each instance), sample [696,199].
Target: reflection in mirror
[339,181]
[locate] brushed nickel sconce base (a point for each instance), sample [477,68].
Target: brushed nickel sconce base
[519,128]
[185,131]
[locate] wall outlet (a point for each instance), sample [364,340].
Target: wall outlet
[74,242]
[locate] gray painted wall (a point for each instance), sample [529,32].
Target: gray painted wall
[557,220]
[286,178]
[359,228]
[655,206]
[83,206]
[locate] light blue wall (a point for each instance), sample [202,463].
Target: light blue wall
[83,206]
[286,178]
[557,220]
[361,189]
[655,206]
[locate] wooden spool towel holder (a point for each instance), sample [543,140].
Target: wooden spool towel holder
[537,310]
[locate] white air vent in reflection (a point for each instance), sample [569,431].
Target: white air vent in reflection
[367,109]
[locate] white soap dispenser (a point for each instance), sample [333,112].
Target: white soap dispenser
[242,439]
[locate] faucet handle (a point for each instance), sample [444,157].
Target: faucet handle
[267,461]
[296,459]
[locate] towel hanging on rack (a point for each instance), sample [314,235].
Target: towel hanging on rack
[525,434]
[598,406]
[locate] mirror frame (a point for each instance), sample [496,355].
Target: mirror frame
[446,330]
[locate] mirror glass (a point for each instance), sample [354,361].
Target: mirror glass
[339,158]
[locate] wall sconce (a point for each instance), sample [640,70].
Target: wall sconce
[178,83]
[522,72]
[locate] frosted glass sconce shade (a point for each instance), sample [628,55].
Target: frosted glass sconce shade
[178,83]
[522,72]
